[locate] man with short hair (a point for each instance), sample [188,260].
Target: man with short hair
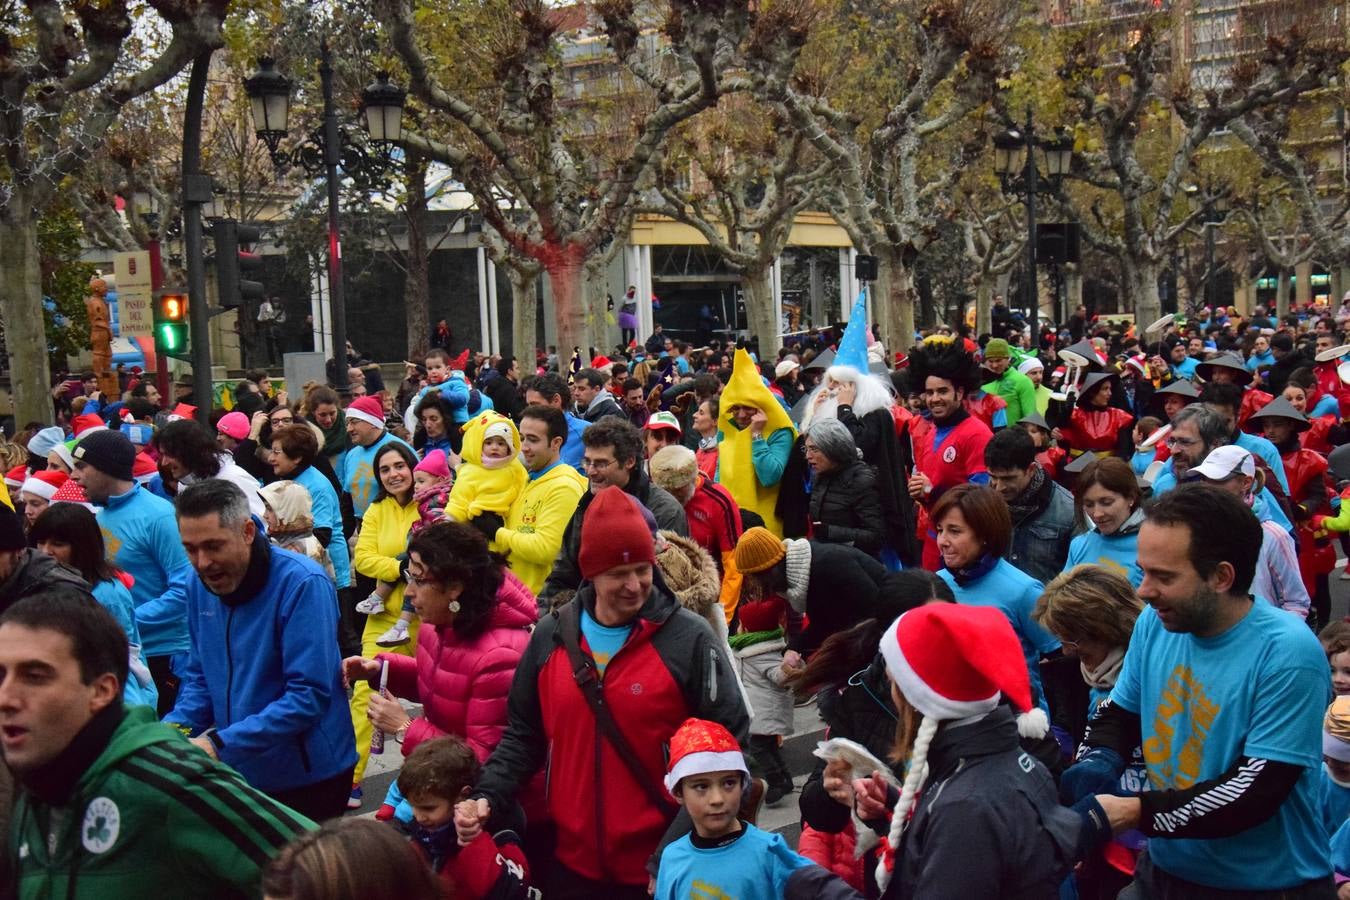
[1008,382]
[504,388]
[1226,698]
[549,390]
[113,803]
[635,402]
[1042,511]
[613,459]
[537,521]
[653,664]
[140,537]
[262,686]
[25,571]
[592,397]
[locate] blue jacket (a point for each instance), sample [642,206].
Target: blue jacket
[264,670]
[327,513]
[572,449]
[1259,446]
[140,534]
[140,688]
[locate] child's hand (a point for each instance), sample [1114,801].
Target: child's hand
[358,668]
[869,797]
[469,818]
[836,783]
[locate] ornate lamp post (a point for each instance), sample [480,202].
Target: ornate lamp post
[322,152]
[1016,164]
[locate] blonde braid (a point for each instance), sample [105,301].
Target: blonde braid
[914,779]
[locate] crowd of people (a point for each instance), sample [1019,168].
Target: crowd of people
[1062,603]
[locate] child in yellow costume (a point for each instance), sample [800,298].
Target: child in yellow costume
[491,475]
[755,441]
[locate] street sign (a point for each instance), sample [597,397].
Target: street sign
[135,295]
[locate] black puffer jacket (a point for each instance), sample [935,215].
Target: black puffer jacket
[845,508]
[37,572]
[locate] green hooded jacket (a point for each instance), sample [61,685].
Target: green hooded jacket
[152,816]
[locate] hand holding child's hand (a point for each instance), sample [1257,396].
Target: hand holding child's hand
[836,783]
[469,818]
[358,668]
[869,797]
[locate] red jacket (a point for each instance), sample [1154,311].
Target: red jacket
[463,685]
[1095,429]
[669,669]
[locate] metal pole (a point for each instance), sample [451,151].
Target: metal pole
[157,282]
[332,156]
[1209,260]
[1029,178]
[196,191]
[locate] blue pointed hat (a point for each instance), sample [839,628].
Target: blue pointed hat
[852,350]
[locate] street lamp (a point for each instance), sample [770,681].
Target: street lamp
[322,152]
[1016,155]
[1215,211]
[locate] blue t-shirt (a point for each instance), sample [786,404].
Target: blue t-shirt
[1259,689]
[1013,593]
[1186,368]
[1334,801]
[755,866]
[1119,552]
[1327,405]
[604,640]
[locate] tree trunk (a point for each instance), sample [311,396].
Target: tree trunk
[601,333]
[21,310]
[525,300]
[760,314]
[417,285]
[1282,292]
[893,302]
[984,299]
[565,278]
[1141,283]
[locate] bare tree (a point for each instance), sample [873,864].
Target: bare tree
[525,135]
[66,73]
[995,242]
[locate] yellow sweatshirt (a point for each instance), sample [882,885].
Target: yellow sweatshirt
[534,530]
[479,489]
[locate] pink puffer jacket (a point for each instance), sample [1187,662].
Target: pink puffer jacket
[463,685]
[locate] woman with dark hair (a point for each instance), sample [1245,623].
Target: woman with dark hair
[848,678]
[324,409]
[1110,502]
[380,555]
[188,453]
[974,531]
[294,455]
[435,426]
[349,859]
[476,619]
[69,534]
[1093,423]
[845,505]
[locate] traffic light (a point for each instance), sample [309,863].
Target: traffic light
[232,263]
[171,323]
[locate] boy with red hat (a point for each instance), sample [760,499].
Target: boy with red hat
[724,856]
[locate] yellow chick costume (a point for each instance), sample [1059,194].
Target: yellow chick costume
[479,489]
[736,451]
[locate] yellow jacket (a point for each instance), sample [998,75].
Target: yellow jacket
[534,528]
[736,452]
[478,489]
[4,496]
[383,536]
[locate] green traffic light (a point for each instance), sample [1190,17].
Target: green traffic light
[171,337]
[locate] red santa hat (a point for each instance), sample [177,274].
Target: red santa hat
[82,425]
[71,492]
[143,468]
[1137,363]
[700,746]
[182,411]
[367,409]
[16,476]
[952,661]
[459,363]
[44,484]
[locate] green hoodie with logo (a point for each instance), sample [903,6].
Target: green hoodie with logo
[151,816]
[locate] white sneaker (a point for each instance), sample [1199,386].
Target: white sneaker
[394,637]
[371,605]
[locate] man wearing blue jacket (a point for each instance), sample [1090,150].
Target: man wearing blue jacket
[262,688]
[140,537]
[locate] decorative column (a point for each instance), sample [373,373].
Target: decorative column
[484,341]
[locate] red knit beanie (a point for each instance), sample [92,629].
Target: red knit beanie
[613,533]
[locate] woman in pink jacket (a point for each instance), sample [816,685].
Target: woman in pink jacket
[476,618]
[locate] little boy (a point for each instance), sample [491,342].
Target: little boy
[436,776]
[723,856]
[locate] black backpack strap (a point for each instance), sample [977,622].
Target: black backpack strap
[588,681]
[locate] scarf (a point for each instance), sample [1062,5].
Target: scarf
[1032,499]
[708,442]
[1103,678]
[438,843]
[335,440]
[970,574]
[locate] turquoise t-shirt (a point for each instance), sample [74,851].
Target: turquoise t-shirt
[1013,593]
[603,640]
[1118,552]
[1259,689]
[755,866]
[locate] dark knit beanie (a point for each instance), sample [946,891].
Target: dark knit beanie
[11,530]
[111,452]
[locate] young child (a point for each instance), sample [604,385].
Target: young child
[1144,456]
[1335,640]
[490,475]
[724,856]
[432,481]
[1334,794]
[290,521]
[446,375]
[436,776]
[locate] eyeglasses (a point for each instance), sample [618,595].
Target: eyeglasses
[808,449]
[412,580]
[1182,442]
[282,420]
[599,465]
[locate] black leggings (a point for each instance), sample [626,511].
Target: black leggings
[165,682]
[321,800]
